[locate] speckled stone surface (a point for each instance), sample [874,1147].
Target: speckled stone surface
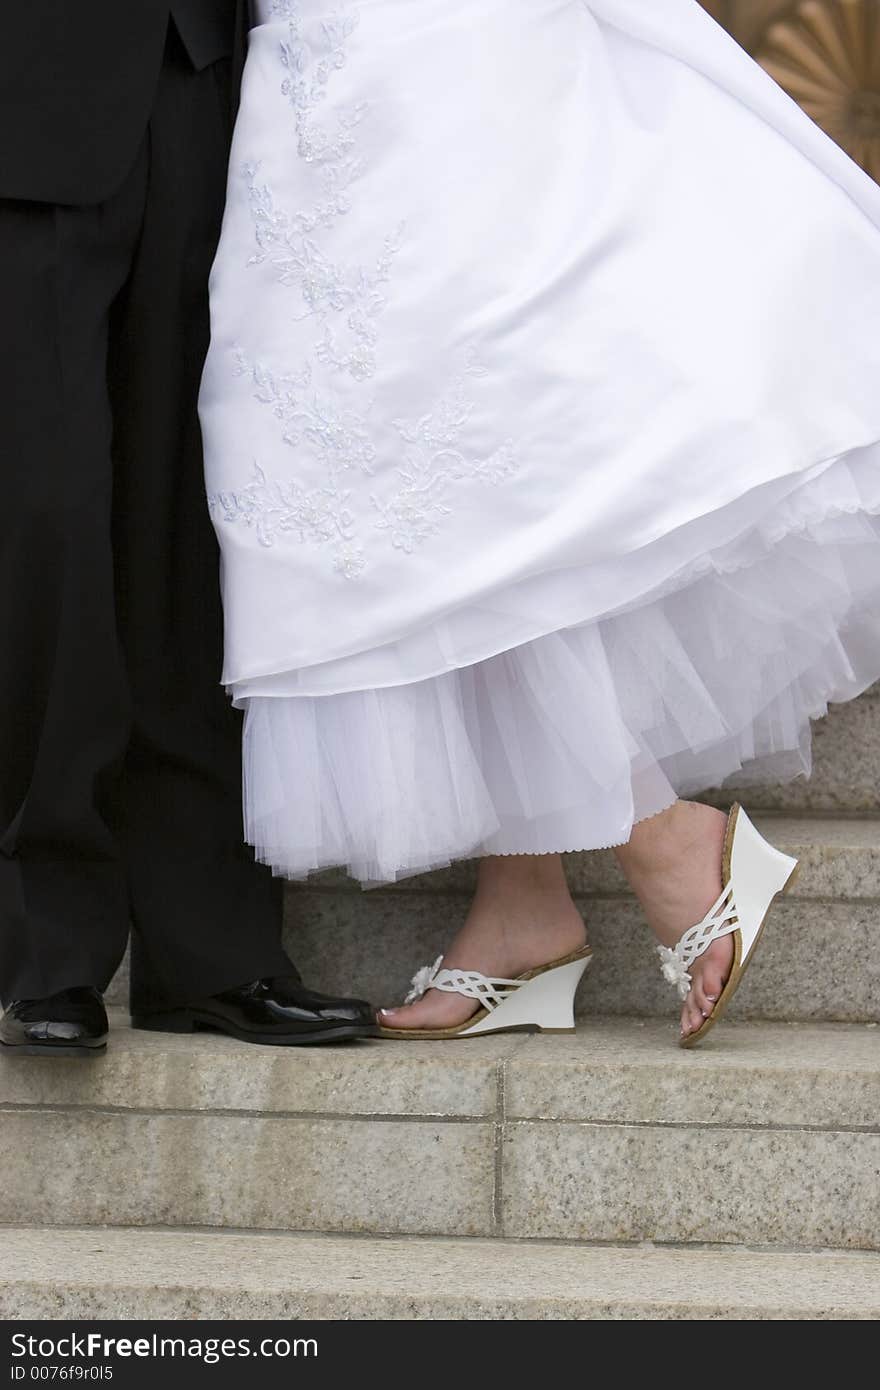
[769,1074]
[164,1071]
[222,1170]
[627,1183]
[612,1069]
[515,1136]
[118,1274]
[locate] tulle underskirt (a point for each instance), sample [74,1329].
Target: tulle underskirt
[563,742]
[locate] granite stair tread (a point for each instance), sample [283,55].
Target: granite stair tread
[71,1273]
[626,1070]
[768,1134]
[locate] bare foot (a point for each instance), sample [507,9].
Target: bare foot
[522,916]
[673,865]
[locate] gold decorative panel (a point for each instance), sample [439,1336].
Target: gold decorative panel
[826,54]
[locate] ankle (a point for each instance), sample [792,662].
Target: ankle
[527,905]
[661,843]
[512,875]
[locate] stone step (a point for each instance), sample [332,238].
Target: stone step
[154,1275]
[768,1135]
[846,766]
[371,943]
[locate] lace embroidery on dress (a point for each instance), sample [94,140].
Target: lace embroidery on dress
[338,436]
[334,434]
[347,303]
[276,508]
[434,460]
[339,440]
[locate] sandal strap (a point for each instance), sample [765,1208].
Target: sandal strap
[720,920]
[490,991]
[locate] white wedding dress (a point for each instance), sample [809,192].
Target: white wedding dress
[542,425]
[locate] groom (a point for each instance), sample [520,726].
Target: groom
[119,755]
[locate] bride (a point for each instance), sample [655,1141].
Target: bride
[542,432]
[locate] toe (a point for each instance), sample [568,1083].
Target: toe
[711,981]
[702,1002]
[434,1010]
[399,1018]
[717,965]
[691,1016]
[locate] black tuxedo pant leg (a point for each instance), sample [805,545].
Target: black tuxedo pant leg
[120,783]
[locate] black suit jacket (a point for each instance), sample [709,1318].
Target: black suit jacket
[76,84]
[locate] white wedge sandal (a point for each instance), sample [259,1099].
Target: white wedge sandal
[540,1001]
[753,872]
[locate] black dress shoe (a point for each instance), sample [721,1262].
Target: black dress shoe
[280,1011]
[70,1024]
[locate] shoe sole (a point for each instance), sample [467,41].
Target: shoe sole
[459,1034]
[189,1023]
[52,1050]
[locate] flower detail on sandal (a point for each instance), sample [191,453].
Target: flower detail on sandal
[422,981]
[674,969]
